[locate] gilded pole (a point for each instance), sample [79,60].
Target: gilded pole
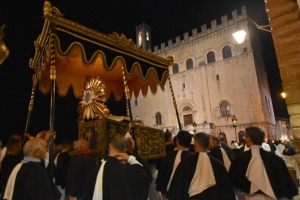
[30,107]
[174,102]
[52,101]
[128,106]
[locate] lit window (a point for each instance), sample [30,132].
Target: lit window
[225,109]
[140,39]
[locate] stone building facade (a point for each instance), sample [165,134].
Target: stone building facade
[213,79]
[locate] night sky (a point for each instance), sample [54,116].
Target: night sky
[24,21]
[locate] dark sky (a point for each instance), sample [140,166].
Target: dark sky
[168,19]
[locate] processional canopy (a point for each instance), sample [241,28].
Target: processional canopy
[68,54]
[81,52]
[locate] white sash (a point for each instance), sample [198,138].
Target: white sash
[176,162]
[257,175]
[226,160]
[132,160]
[9,190]
[98,190]
[204,176]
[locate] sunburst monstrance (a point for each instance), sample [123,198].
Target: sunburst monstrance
[92,103]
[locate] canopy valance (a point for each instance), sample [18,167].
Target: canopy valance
[80,52]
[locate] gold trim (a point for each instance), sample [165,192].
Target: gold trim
[110,48]
[149,141]
[58,47]
[113,40]
[4,51]
[40,46]
[52,56]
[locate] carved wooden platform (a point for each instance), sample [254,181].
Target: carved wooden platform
[149,141]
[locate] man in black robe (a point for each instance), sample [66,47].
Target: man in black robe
[11,159]
[171,161]
[143,188]
[29,179]
[218,152]
[225,146]
[62,163]
[201,176]
[117,176]
[260,173]
[80,165]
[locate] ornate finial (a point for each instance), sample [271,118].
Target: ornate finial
[122,39]
[172,60]
[48,10]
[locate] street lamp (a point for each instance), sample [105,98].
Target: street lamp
[240,34]
[234,120]
[194,125]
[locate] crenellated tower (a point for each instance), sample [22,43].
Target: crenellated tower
[214,78]
[143,36]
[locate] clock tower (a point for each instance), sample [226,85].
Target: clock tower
[143,36]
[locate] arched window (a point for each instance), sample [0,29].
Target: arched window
[140,39]
[189,64]
[175,68]
[227,52]
[225,109]
[158,118]
[211,57]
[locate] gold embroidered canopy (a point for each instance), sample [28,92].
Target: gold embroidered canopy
[76,52]
[68,54]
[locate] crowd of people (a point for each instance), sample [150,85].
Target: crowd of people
[199,166]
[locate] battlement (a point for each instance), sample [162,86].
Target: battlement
[204,31]
[143,25]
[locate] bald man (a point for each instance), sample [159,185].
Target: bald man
[29,179]
[46,136]
[79,166]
